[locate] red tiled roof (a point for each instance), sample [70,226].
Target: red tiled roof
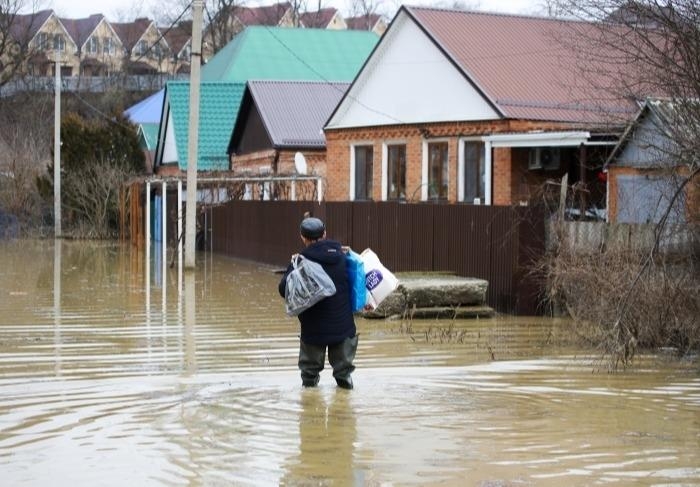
[521,64]
[130,32]
[178,36]
[81,29]
[268,15]
[25,27]
[318,19]
[362,22]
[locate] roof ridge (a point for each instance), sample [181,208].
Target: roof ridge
[298,81]
[495,14]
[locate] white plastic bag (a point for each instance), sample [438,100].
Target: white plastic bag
[379,280]
[307,284]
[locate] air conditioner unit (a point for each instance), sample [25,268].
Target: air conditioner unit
[546,158]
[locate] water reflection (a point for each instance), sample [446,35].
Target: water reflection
[325,422]
[109,378]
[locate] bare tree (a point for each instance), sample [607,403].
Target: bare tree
[634,297]
[93,201]
[221,18]
[366,10]
[25,135]
[16,33]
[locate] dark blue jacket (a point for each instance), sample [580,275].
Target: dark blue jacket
[329,321]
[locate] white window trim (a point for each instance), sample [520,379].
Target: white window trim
[487,168]
[351,196]
[488,173]
[385,165]
[353,170]
[424,167]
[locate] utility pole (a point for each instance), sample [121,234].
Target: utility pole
[57,149]
[193,132]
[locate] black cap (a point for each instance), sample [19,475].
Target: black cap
[312,228]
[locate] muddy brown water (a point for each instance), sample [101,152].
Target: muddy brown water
[108,381]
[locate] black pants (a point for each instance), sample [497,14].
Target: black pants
[340,355]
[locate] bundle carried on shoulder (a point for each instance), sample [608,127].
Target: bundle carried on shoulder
[307,284]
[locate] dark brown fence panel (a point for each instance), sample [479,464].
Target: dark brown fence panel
[338,219]
[503,259]
[492,243]
[419,237]
[531,247]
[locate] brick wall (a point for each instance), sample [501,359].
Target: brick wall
[279,163]
[510,183]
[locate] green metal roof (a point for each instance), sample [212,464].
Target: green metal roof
[148,135]
[279,53]
[218,108]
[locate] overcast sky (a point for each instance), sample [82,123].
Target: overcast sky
[128,9]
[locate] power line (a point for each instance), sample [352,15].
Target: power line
[328,82]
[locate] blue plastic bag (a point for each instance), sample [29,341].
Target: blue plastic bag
[356,279]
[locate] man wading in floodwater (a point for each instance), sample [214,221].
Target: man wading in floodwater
[328,323]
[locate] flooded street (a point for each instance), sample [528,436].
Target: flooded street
[113,375]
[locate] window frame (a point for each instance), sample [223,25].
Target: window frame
[385,169]
[353,172]
[93,45]
[108,46]
[462,171]
[61,41]
[488,178]
[425,173]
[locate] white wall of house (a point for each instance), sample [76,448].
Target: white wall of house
[423,84]
[169,144]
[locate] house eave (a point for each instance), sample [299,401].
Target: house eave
[539,139]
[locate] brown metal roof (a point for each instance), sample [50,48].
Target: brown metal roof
[521,64]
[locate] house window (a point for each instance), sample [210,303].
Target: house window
[396,169]
[93,45]
[364,155]
[59,42]
[474,172]
[156,52]
[437,171]
[43,41]
[108,45]
[141,48]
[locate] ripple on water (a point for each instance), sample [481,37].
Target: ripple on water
[116,383]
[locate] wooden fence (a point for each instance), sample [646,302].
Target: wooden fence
[497,244]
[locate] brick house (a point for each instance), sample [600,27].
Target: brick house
[647,167]
[469,107]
